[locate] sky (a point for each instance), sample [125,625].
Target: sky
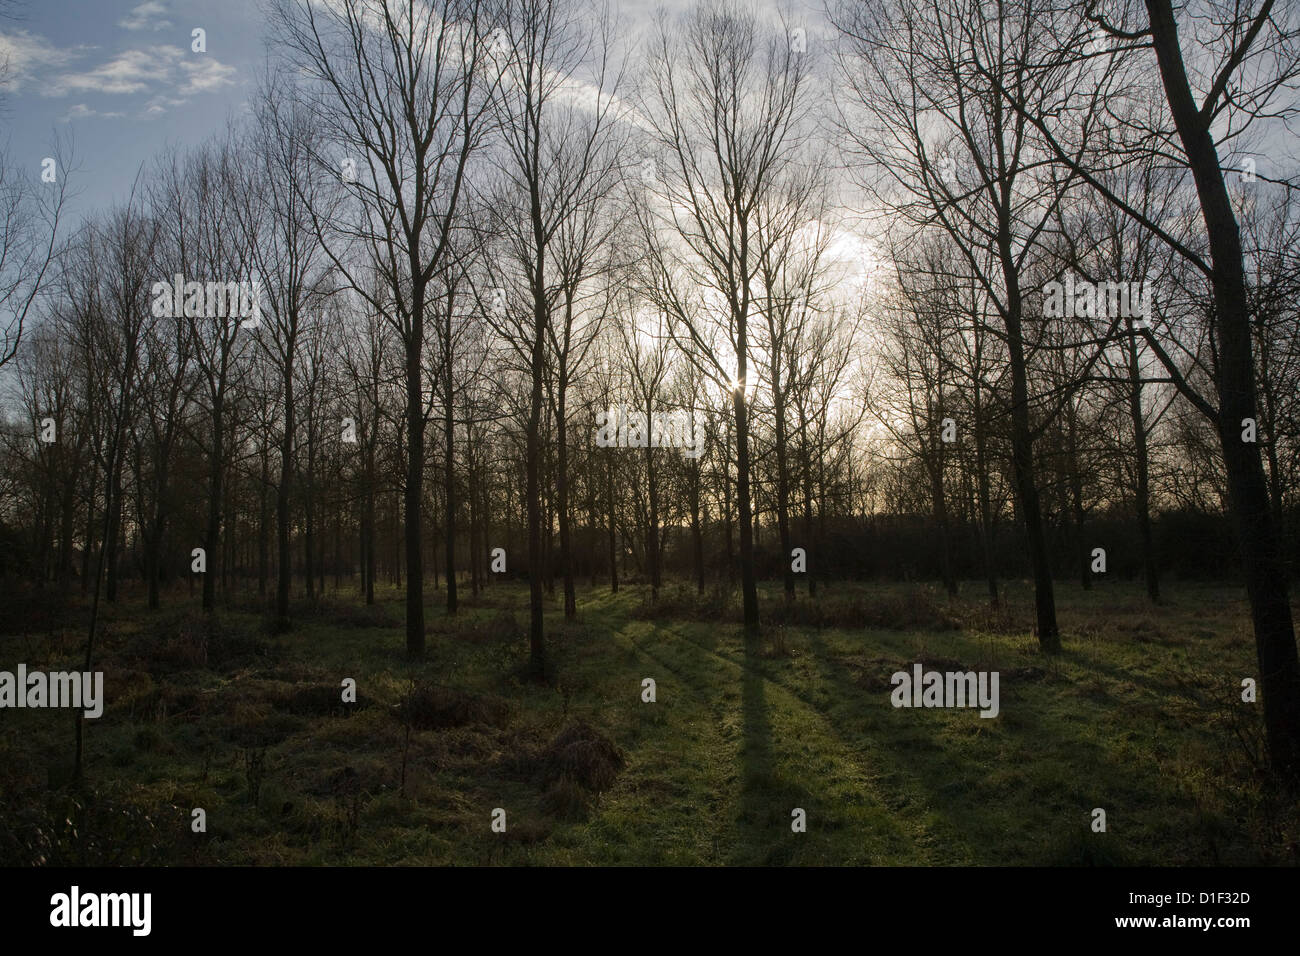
[120,81]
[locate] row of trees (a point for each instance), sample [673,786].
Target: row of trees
[473,226]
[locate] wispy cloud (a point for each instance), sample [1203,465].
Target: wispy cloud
[132,71]
[159,105]
[23,55]
[168,72]
[82,111]
[150,15]
[205,75]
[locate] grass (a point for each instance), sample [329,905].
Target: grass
[1140,716]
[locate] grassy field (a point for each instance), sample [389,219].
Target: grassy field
[1141,716]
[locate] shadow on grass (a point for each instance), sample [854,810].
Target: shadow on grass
[767,798]
[954,788]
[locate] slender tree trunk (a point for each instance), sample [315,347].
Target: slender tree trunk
[216,495]
[112,546]
[609,515]
[1022,450]
[697,531]
[985,502]
[533,492]
[264,522]
[449,491]
[90,536]
[368,521]
[309,514]
[728,513]
[284,556]
[749,584]
[562,503]
[474,546]
[1256,529]
[1083,552]
[652,528]
[782,485]
[810,548]
[486,539]
[415,477]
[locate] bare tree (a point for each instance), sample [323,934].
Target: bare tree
[941,149]
[555,105]
[30,217]
[402,88]
[290,262]
[727,102]
[1247,57]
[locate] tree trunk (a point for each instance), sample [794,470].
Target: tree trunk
[782,485]
[264,523]
[449,492]
[1084,553]
[415,477]
[284,568]
[985,501]
[533,492]
[1143,498]
[562,503]
[111,545]
[212,539]
[1256,529]
[613,533]
[697,532]
[749,585]
[1022,450]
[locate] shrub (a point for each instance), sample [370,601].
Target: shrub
[430,706]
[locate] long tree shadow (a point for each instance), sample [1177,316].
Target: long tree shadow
[790,767]
[767,798]
[755,769]
[948,785]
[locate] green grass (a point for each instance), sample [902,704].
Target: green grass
[1140,715]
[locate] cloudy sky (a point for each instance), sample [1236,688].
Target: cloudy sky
[120,78]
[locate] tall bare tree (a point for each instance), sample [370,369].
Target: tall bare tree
[403,90]
[727,100]
[1246,59]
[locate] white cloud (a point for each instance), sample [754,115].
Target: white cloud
[205,75]
[166,71]
[24,54]
[82,111]
[132,71]
[159,105]
[150,15]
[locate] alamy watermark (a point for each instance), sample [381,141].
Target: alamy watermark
[78,690]
[212,300]
[923,688]
[623,427]
[75,908]
[1106,300]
